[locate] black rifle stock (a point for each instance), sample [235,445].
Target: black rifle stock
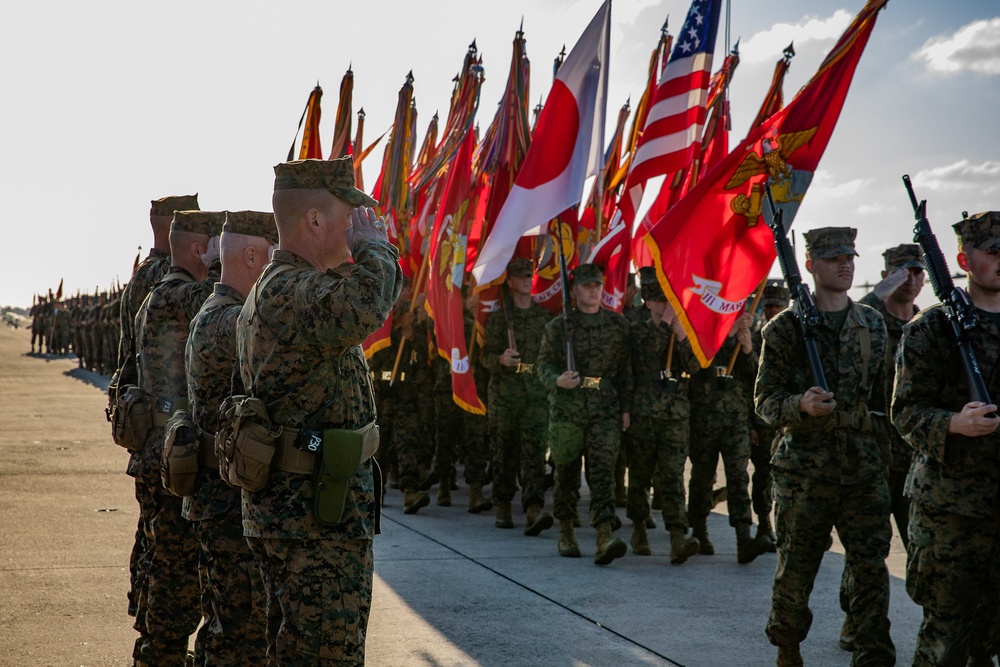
[959,310]
[567,321]
[808,315]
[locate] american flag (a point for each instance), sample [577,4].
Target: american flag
[672,133]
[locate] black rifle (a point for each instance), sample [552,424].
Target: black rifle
[567,321]
[960,311]
[808,315]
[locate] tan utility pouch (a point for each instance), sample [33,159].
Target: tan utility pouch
[248,456]
[179,460]
[131,418]
[344,450]
[225,443]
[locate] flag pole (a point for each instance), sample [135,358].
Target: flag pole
[417,287]
[753,309]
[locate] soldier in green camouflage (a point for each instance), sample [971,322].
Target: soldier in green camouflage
[169,607]
[657,442]
[299,341]
[774,300]
[233,630]
[516,402]
[720,427]
[828,469]
[588,410]
[953,555]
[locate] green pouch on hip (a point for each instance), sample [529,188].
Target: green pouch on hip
[344,450]
[565,441]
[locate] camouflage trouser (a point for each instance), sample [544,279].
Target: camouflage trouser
[138,562]
[760,455]
[657,445]
[414,448]
[517,434]
[953,572]
[900,504]
[233,633]
[599,442]
[806,510]
[458,429]
[169,602]
[319,595]
[714,433]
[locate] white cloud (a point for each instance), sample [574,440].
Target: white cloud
[872,209]
[962,176]
[767,45]
[823,187]
[974,47]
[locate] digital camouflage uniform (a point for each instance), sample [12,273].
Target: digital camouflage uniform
[657,439]
[586,422]
[953,556]
[826,478]
[169,604]
[233,632]
[299,345]
[144,278]
[517,405]
[720,425]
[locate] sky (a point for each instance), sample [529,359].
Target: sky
[109,104]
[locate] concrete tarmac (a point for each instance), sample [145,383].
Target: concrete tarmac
[450,588]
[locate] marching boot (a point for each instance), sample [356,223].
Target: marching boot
[747,548]
[537,521]
[849,632]
[764,527]
[568,548]
[413,500]
[789,656]
[477,503]
[608,547]
[640,540]
[682,547]
[504,517]
[699,530]
[719,495]
[650,522]
[444,495]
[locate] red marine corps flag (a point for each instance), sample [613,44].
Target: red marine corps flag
[712,249]
[446,249]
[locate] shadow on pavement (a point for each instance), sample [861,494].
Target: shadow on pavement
[89,377]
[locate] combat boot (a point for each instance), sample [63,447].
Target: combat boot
[699,529]
[682,547]
[608,547]
[568,548]
[537,521]
[789,656]
[477,503]
[765,528]
[504,517]
[650,522]
[747,548]
[444,495]
[848,633]
[640,540]
[413,500]
[719,495]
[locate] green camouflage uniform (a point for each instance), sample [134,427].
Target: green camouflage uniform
[146,275]
[826,478]
[586,422]
[233,632]
[300,353]
[760,453]
[657,439]
[516,406]
[720,425]
[953,557]
[168,607]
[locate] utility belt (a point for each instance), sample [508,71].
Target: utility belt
[659,376]
[386,376]
[163,408]
[132,413]
[598,383]
[523,368]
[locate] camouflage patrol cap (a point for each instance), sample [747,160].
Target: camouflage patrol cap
[168,205]
[334,176]
[208,223]
[980,231]
[775,294]
[649,285]
[904,256]
[520,267]
[586,274]
[829,242]
[251,223]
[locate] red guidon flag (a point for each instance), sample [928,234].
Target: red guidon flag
[566,147]
[713,248]
[445,272]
